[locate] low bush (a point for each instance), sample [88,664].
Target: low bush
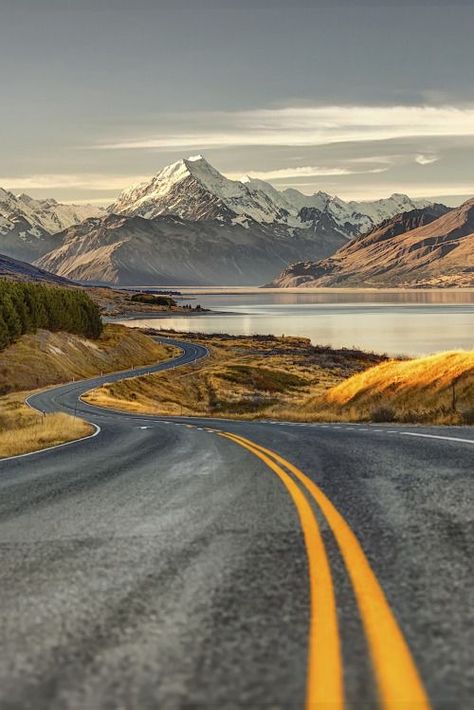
[382,414]
[468,416]
[153,300]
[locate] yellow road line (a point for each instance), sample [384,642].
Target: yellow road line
[325,679]
[398,681]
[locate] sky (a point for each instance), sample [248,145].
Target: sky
[359,98]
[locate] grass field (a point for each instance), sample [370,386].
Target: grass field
[23,430]
[46,358]
[290,379]
[244,377]
[49,358]
[437,389]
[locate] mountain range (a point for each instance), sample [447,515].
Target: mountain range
[170,250]
[27,225]
[188,224]
[194,190]
[430,247]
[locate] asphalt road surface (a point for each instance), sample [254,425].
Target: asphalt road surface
[188,563]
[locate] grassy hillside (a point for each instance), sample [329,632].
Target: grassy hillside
[290,379]
[45,358]
[438,389]
[245,377]
[22,429]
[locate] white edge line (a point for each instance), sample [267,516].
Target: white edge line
[96,426]
[437,436]
[56,446]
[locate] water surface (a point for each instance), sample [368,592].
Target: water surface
[395,322]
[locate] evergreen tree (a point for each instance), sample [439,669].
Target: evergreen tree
[25,307]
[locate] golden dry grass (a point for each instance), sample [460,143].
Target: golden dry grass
[45,358]
[418,390]
[49,358]
[246,378]
[289,379]
[23,430]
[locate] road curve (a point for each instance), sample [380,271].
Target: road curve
[186,562]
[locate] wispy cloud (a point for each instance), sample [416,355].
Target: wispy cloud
[302,126]
[422,159]
[304,171]
[89,181]
[374,191]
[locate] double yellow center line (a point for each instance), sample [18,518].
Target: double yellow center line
[397,679]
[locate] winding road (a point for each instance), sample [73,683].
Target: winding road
[196,563]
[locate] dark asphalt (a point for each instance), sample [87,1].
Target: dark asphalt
[162,566]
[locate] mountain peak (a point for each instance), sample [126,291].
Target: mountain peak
[193,189]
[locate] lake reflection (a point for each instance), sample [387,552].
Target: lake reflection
[411,322]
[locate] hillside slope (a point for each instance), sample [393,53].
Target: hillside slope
[438,388]
[45,358]
[435,253]
[21,271]
[169,250]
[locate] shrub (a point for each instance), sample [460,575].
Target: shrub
[153,300]
[382,414]
[468,416]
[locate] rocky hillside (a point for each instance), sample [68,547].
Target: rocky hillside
[22,271]
[173,251]
[424,248]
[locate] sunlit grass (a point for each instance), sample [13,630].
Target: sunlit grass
[23,430]
[247,378]
[435,389]
[289,379]
[45,358]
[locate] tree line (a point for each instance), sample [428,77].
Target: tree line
[25,307]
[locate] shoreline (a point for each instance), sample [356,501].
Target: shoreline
[143,315]
[243,290]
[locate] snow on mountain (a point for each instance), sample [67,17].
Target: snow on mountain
[47,215]
[27,225]
[193,189]
[428,247]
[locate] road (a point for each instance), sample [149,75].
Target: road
[197,563]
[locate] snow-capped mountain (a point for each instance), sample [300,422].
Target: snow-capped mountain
[187,224]
[192,189]
[430,247]
[48,215]
[27,225]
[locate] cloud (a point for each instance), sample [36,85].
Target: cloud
[302,126]
[304,171]
[422,159]
[88,181]
[460,191]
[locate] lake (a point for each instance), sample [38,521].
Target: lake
[394,322]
